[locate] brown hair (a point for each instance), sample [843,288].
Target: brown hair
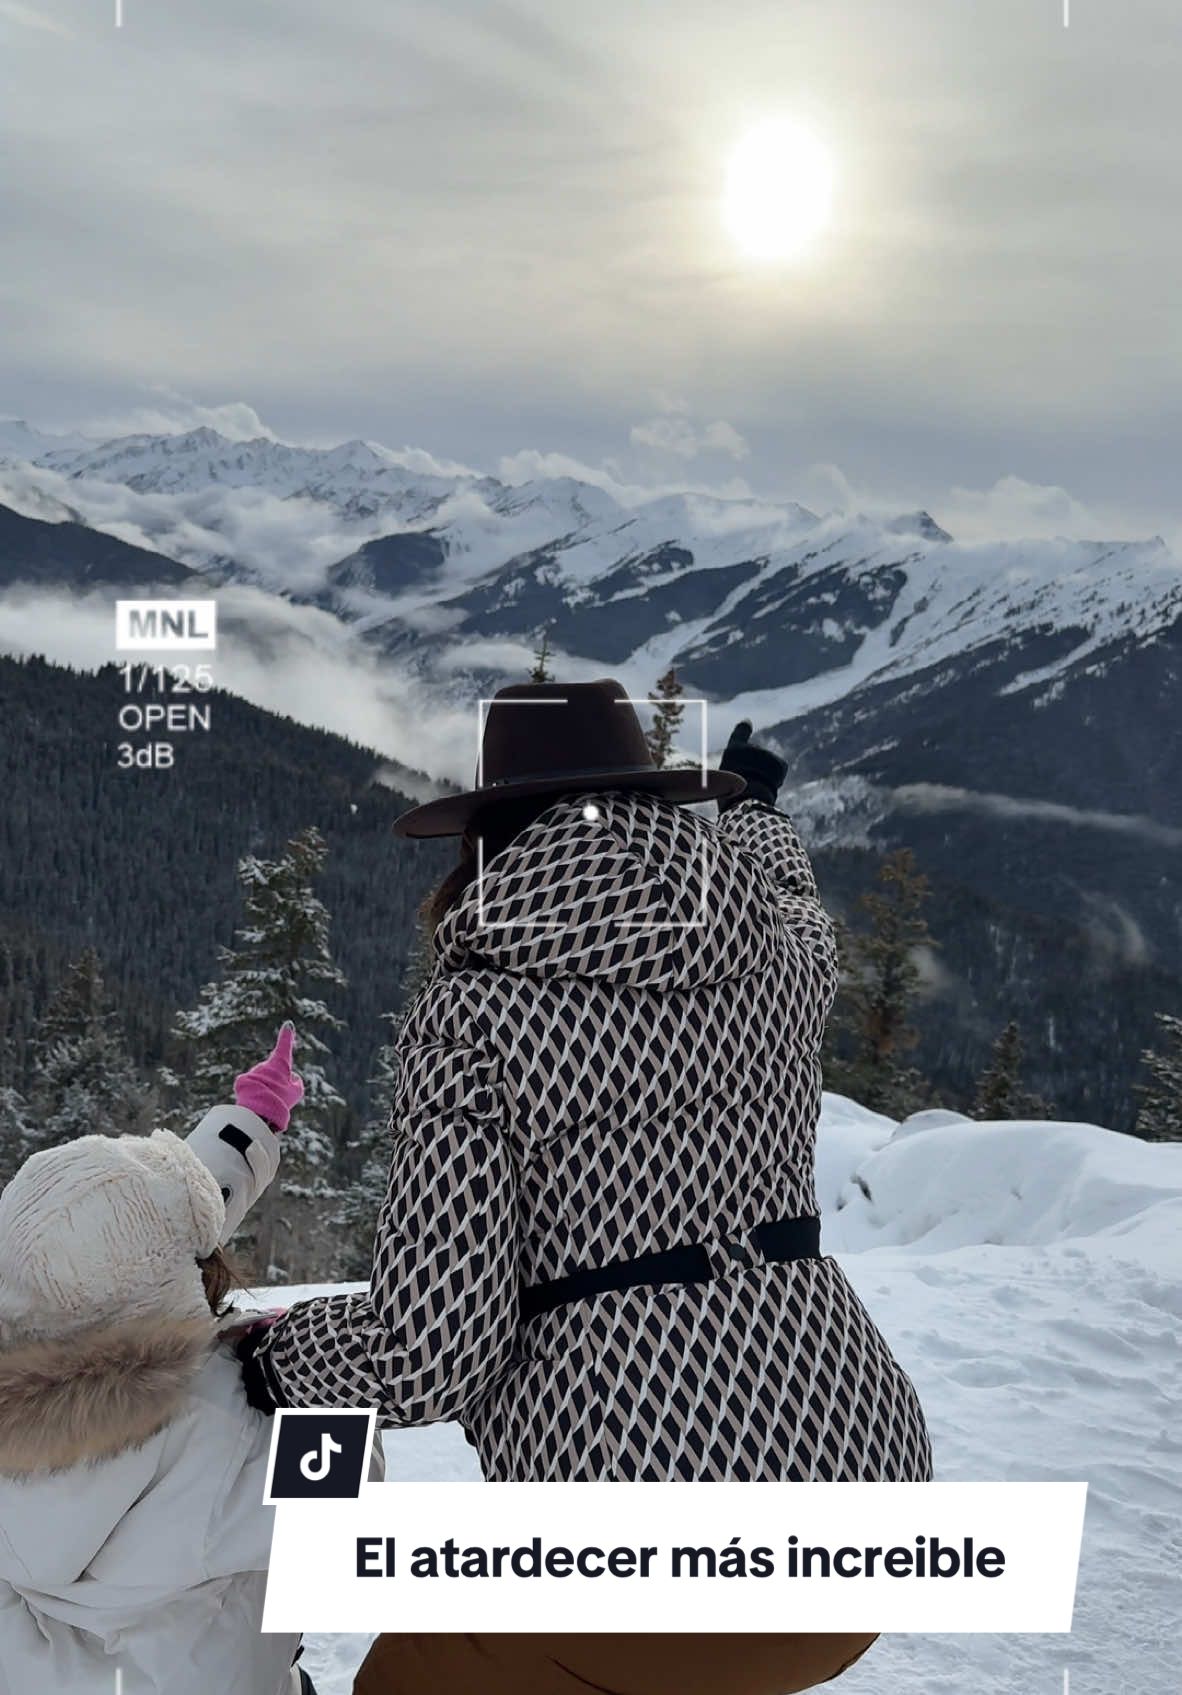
[496,825]
[219,1277]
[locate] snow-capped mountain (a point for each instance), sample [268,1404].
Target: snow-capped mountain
[760,601]
[792,613]
[1007,709]
[19,440]
[356,479]
[878,649]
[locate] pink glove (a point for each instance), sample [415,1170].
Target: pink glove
[243,1322]
[272,1088]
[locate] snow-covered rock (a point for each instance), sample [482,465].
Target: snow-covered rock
[933,1118]
[958,1184]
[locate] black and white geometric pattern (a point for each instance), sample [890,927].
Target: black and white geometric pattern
[617,1053]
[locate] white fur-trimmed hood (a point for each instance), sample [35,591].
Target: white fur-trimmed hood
[93,1394]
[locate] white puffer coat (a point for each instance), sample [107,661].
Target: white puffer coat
[152,1561]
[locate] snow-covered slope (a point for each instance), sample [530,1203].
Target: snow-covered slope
[757,600]
[1029,1276]
[356,478]
[20,441]
[1004,710]
[940,1182]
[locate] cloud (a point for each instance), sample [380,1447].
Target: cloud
[29,18]
[286,658]
[992,295]
[34,495]
[1113,929]
[826,486]
[422,463]
[289,542]
[466,505]
[530,464]
[174,414]
[936,982]
[677,434]
[1011,508]
[1014,507]
[936,797]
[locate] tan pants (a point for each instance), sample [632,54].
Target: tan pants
[608,1665]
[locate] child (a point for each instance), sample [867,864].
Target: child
[133,1538]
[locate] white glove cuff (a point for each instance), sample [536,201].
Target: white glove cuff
[242,1152]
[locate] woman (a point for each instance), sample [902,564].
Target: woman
[599,1249]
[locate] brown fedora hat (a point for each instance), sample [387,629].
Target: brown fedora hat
[556,738]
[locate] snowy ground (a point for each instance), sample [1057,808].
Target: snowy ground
[1029,1276]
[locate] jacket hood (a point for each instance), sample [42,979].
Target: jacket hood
[156,1556]
[95,1393]
[622,885]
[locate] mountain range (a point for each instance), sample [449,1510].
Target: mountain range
[1010,710]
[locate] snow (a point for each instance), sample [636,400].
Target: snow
[281,514]
[1029,1276]
[20,441]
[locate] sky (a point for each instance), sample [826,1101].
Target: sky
[494,228]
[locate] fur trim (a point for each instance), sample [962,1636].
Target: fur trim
[94,1394]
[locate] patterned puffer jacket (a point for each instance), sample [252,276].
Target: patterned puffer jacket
[617,1053]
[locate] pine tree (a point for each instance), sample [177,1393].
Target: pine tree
[13,1109]
[541,672]
[357,1213]
[78,1002]
[279,963]
[16,1138]
[85,1083]
[1160,1115]
[9,1063]
[870,1034]
[1000,1094]
[662,736]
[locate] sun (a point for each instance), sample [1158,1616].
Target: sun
[779,189]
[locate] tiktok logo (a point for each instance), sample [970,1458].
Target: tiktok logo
[314,1466]
[318,1455]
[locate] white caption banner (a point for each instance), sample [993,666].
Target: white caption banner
[398,1534]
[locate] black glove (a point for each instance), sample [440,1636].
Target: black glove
[260,1391]
[762,769]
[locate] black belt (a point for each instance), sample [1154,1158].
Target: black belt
[782,1239]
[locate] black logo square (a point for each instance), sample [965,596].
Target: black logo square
[319,1456]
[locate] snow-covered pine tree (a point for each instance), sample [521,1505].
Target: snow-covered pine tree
[77,1004]
[358,1204]
[15,1133]
[870,1034]
[662,734]
[277,968]
[85,1082]
[1160,1115]
[9,1066]
[13,1109]
[1000,1094]
[541,672]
